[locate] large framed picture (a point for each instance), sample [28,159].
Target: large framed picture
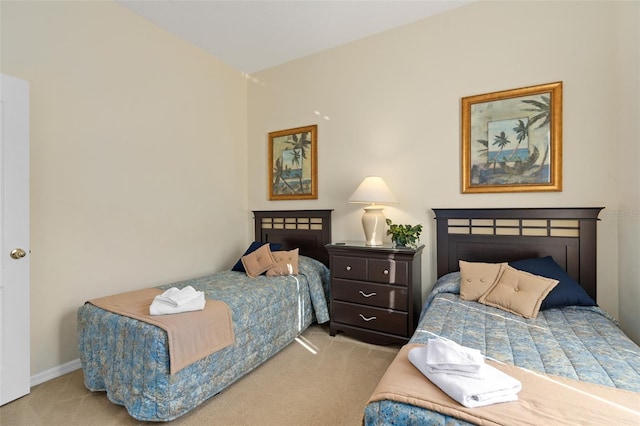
[293,164]
[512,140]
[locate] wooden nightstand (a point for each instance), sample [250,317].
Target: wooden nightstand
[376,291]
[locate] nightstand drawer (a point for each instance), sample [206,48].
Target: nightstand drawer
[384,296]
[385,320]
[388,271]
[349,267]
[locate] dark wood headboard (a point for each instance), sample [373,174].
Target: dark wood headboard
[507,234]
[307,230]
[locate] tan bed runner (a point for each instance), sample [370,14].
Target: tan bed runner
[544,399]
[191,335]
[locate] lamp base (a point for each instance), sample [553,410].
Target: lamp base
[373,223]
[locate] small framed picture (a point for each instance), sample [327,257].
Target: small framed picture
[293,164]
[512,140]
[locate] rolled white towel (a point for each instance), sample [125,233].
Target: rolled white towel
[194,302]
[471,392]
[445,356]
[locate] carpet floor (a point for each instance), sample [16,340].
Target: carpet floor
[295,387]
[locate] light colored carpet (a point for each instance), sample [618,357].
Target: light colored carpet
[296,387]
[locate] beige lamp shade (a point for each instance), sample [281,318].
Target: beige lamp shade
[375,192]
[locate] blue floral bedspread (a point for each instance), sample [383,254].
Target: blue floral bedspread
[582,343]
[129,359]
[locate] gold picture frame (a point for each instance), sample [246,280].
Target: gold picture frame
[293,164]
[512,140]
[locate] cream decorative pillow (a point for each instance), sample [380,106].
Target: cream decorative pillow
[518,292]
[476,278]
[258,261]
[283,260]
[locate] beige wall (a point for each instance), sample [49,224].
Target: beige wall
[138,159]
[627,64]
[394,106]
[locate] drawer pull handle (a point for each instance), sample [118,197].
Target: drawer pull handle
[386,272]
[367,319]
[348,268]
[367,295]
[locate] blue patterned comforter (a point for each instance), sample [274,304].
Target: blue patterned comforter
[582,343]
[129,359]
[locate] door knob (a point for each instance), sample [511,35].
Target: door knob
[17,253]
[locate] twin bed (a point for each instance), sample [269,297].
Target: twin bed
[581,343]
[129,359]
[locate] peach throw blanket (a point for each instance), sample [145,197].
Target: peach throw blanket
[191,335]
[544,399]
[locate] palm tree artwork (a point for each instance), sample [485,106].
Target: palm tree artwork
[522,132]
[542,111]
[501,140]
[508,155]
[290,171]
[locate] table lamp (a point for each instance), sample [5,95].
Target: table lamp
[376,193]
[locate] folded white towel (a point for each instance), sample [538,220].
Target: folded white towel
[178,297]
[446,356]
[471,392]
[174,301]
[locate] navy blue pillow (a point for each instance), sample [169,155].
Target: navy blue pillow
[239,267]
[566,293]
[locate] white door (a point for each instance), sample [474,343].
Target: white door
[14,239]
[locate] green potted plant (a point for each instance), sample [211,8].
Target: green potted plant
[404,235]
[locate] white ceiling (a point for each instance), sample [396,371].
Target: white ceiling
[254,35]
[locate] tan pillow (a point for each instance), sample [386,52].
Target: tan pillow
[283,259]
[518,292]
[258,261]
[476,278]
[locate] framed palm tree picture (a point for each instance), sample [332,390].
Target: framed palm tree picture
[512,140]
[293,164]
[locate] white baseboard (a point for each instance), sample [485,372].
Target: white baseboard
[54,372]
